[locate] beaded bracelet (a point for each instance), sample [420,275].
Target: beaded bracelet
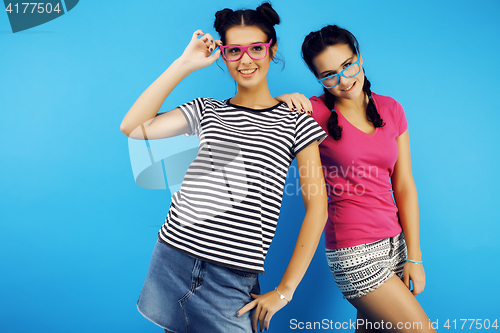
[281,296]
[415,261]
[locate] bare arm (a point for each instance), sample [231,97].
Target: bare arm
[315,201]
[405,195]
[145,109]
[316,205]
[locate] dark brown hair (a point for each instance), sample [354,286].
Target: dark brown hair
[315,43]
[264,17]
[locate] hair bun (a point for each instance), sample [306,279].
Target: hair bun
[221,17]
[269,13]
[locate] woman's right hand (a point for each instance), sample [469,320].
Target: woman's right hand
[200,51]
[296,102]
[142,116]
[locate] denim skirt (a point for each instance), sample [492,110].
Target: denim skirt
[359,269]
[183,294]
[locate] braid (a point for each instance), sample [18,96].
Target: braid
[371,110]
[315,43]
[333,121]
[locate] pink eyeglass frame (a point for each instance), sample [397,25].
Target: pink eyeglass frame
[245,49]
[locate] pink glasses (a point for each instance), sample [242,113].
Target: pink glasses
[255,51]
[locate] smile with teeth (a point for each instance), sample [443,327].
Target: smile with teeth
[350,87]
[247,71]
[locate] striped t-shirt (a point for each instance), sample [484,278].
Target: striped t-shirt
[228,205]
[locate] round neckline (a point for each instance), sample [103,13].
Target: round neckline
[228,101]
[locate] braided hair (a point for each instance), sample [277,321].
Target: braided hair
[314,44]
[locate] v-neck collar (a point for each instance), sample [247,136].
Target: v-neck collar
[350,124]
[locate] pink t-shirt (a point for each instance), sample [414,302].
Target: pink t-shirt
[358,170]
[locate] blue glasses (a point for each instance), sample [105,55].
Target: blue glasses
[349,72]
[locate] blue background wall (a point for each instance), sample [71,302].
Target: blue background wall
[76,233]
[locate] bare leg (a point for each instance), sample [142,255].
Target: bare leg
[363,328]
[393,308]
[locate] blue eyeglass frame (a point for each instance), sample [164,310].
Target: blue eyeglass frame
[338,75]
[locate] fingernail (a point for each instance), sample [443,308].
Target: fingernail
[211,49]
[211,41]
[237,314]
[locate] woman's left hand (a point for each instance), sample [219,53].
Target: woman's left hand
[266,305]
[414,273]
[296,102]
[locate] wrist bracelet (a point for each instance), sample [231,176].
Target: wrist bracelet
[281,296]
[415,261]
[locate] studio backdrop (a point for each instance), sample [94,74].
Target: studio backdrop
[81,204]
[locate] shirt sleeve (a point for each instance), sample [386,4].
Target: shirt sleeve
[320,112]
[307,131]
[401,118]
[193,112]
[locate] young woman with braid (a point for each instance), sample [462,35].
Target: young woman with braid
[203,274]
[372,242]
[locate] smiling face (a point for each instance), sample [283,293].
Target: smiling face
[332,61]
[246,71]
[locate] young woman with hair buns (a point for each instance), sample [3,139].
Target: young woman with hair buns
[372,240]
[203,274]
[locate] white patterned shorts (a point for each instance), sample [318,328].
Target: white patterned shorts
[359,269]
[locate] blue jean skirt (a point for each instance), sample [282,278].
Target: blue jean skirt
[183,294]
[359,269]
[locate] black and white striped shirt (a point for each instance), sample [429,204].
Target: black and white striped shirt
[229,202]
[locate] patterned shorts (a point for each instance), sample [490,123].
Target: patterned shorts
[359,269]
